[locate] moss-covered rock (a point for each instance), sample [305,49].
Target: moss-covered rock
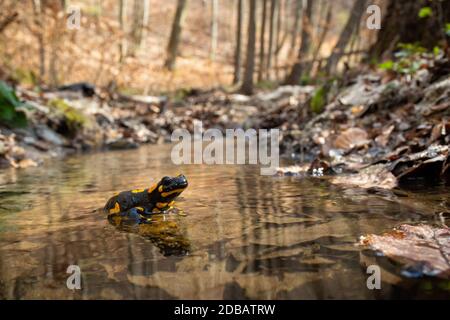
[71,119]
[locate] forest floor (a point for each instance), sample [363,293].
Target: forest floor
[384,126]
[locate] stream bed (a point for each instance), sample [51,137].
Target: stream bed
[241,235]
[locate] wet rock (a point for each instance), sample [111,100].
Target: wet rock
[85,88]
[122,144]
[50,136]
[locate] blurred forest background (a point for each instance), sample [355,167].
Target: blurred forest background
[151,46]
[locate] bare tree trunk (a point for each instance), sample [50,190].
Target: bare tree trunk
[296,25]
[172,47]
[214,28]
[139,15]
[401,24]
[277,37]
[39,21]
[325,27]
[262,54]
[123,5]
[145,21]
[296,72]
[352,24]
[273,6]
[55,40]
[247,85]
[237,52]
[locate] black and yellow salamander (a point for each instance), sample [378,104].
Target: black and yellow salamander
[156,199]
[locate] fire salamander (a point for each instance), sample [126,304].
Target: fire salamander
[156,199]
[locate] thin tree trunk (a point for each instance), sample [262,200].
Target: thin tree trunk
[352,24]
[214,28]
[262,54]
[237,52]
[177,25]
[56,37]
[273,5]
[247,85]
[296,72]
[39,21]
[123,4]
[323,33]
[137,25]
[296,25]
[277,37]
[145,23]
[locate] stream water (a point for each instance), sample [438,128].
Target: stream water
[242,235]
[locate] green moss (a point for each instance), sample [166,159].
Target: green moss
[319,99]
[24,76]
[74,118]
[267,85]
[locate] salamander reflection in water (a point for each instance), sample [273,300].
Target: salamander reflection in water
[162,229]
[142,212]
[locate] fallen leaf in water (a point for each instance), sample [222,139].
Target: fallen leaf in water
[25,163]
[351,138]
[376,176]
[292,170]
[422,249]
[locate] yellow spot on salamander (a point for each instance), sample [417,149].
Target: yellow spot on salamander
[116,208]
[156,210]
[160,189]
[161,205]
[166,194]
[171,203]
[140,208]
[153,187]
[137,190]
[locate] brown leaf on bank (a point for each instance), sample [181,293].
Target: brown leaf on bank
[424,249]
[436,108]
[383,139]
[428,163]
[351,138]
[439,130]
[376,176]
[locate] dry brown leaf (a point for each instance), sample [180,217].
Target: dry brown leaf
[376,176]
[423,248]
[383,138]
[351,138]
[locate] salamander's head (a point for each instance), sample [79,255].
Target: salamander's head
[168,188]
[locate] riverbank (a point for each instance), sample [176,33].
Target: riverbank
[400,123]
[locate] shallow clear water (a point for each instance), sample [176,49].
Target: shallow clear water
[243,236]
